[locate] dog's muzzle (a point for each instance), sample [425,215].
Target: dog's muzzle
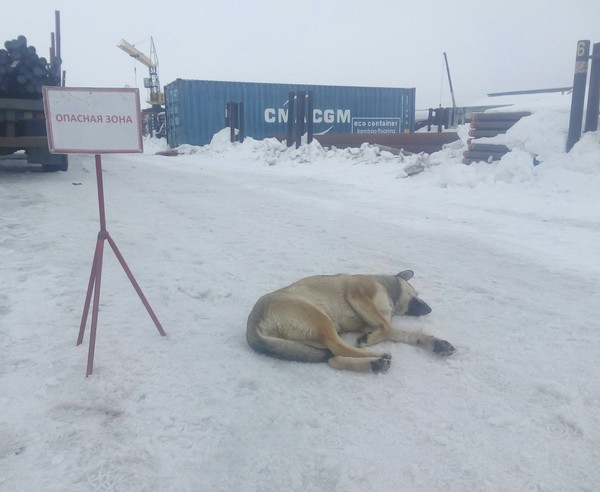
[417,307]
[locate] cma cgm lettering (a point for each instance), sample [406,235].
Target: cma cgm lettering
[93,118]
[280,115]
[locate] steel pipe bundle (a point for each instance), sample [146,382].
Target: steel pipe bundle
[489,125]
[23,72]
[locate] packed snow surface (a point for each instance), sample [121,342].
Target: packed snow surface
[507,255]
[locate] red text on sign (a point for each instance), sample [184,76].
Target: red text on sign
[91,118]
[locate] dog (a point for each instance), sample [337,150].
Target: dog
[303,321]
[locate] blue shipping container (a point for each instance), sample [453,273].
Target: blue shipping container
[195,109]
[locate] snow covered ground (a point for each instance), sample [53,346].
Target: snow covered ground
[507,255]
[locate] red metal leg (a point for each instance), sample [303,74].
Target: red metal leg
[135,285]
[98,279]
[88,297]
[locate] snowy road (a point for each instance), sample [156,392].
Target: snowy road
[510,277]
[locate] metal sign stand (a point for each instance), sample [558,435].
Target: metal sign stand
[88,120]
[96,277]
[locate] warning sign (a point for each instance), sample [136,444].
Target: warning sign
[92,120]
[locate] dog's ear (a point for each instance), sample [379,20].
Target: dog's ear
[406,274]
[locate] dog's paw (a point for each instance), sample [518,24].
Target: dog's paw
[442,347]
[381,365]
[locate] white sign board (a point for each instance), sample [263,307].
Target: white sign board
[92,120]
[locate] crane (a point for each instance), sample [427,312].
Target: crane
[156,97]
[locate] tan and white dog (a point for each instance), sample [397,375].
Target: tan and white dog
[303,321]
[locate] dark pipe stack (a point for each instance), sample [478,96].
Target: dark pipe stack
[23,72]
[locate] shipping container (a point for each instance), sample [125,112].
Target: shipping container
[195,109]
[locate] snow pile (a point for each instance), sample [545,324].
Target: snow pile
[542,134]
[535,139]
[272,152]
[155,145]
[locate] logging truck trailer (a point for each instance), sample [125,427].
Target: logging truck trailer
[23,128]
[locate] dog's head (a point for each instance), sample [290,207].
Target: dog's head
[407,301]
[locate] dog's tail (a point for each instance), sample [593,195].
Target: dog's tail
[280,348]
[287,349]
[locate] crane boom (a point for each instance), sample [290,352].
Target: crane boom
[137,54]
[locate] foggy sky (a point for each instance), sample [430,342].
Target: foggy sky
[492,46]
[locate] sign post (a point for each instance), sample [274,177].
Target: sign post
[96,121]
[578,96]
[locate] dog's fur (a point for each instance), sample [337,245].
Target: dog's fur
[303,321]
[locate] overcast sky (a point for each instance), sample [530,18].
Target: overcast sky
[492,46]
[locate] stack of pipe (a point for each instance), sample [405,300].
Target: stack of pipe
[23,72]
[487,125]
